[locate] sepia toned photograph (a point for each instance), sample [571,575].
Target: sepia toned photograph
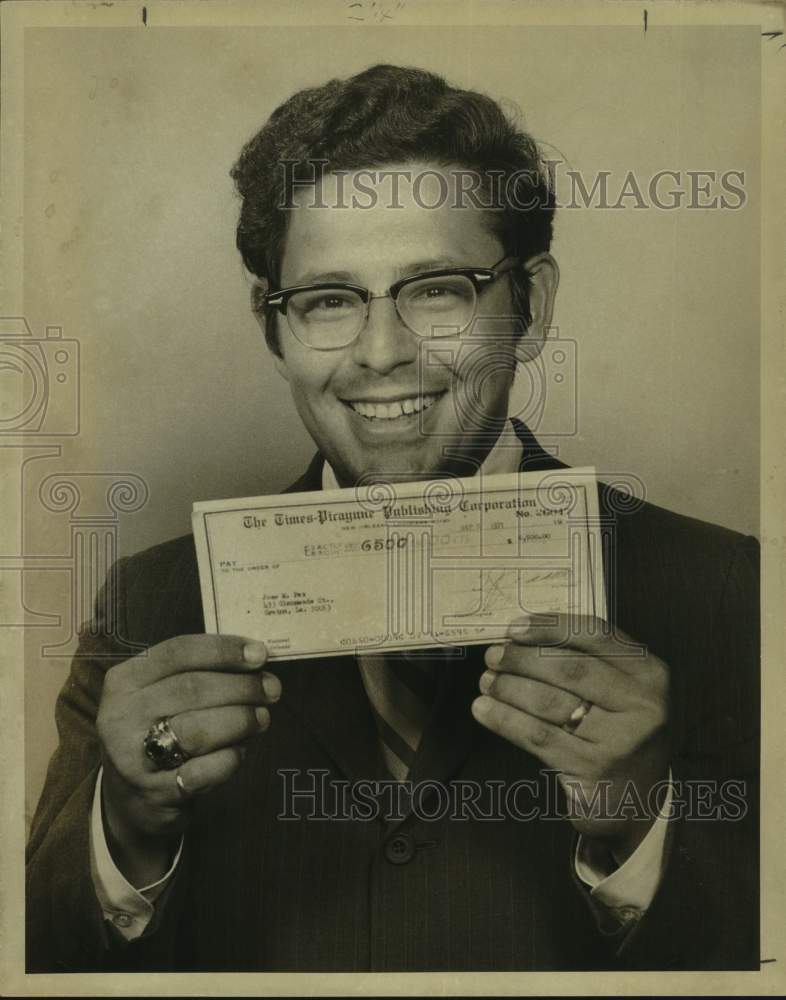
[385,414]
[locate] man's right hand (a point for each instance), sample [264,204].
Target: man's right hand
[213,692]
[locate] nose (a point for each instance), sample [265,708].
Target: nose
[385,342]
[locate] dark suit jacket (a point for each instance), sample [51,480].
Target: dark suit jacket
[257,892]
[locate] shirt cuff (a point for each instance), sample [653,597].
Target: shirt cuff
[629,890]
[129,910]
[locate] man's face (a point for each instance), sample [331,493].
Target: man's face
[393,404]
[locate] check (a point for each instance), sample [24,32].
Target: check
[400,566]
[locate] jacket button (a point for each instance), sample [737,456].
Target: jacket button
[400,849]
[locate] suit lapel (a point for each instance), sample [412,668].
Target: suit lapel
[533,457]
[311,478]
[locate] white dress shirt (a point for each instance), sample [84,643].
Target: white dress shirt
[626,891]
[129,910]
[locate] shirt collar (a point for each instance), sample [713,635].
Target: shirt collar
[505,456]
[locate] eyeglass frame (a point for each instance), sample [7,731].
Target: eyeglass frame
[481,278]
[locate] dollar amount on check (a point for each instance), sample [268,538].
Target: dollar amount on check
[400,566]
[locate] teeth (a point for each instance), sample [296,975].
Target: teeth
[391,411]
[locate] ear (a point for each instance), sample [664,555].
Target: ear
[544,273]
[258,291]
[266,322]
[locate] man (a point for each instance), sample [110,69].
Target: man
[192,859]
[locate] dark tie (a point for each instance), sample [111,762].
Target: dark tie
[401,690]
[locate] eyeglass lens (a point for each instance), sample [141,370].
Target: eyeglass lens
[333,317]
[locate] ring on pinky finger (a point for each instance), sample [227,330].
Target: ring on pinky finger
[576,717]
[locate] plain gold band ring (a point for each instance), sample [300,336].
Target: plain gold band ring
[577,716]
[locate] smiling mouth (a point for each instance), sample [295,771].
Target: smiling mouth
[394,410]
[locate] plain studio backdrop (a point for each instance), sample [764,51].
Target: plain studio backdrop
[129,247]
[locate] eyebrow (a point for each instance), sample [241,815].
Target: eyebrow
[432,264]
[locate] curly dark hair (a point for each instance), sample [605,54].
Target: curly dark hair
[389,114]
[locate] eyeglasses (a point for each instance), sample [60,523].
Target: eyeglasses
[440,303]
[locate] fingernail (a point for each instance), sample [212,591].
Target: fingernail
[263,717]
[255,653]
[494,656]
[520,626]
[481,707]
[486,680]
[272,686]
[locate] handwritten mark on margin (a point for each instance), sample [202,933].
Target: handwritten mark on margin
[774,34]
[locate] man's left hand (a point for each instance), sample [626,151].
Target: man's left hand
[592,704]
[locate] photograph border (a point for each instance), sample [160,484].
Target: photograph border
[771,980]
